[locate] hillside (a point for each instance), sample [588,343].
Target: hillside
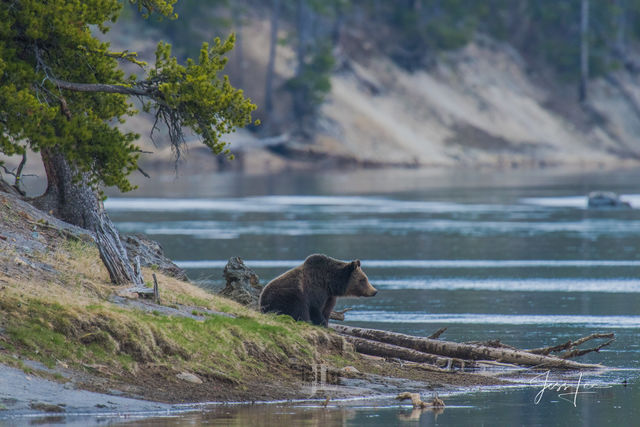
[480,106]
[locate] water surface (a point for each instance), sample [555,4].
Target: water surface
[513,256]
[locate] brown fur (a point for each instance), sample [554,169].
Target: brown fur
[309,291]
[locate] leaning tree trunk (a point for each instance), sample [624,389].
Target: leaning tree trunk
[74,201]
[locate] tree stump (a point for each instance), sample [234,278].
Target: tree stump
[243,284]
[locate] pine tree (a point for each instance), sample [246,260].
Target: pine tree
[62,94]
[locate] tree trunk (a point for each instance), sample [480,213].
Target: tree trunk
[338,24]
[584,49]
[299,95]
[237,22]
[302,29]
[621,26]
[73,201]
[462,351]
[273,46]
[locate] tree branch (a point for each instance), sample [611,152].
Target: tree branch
[17,174]
[146,175]
[437,333]
[100,87]
[577,352]
[569,344]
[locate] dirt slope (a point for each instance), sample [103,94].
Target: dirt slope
[480,107]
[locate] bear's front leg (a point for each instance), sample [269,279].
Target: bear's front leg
[327,309]
[317,318]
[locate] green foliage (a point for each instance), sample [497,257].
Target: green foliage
[43,42]
[544,30]
[313,83]
[163,7]
[189,98]
[420,28]
[549,31]
[195,19]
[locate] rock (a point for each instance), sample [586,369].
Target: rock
[151,254]
[350,370]
[243,284]
[189,377]
[126,293]
[606,199]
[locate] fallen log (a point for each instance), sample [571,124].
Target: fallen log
[493,344]
[375,348]
[462,351]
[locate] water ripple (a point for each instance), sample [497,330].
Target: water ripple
[421,263]
[495,319]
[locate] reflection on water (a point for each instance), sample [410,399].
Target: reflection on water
[594,406]
[491,256]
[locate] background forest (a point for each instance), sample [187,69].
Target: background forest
[425,82]
[414,83]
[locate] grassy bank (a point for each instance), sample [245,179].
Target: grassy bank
[57,307]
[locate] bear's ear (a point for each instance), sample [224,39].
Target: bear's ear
[356,263]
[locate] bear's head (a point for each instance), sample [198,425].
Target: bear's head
[358,285]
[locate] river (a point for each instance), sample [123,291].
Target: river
[515,256]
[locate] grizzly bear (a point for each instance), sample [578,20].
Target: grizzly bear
[309,291]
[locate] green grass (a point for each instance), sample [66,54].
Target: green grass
[225,347]
[78,248]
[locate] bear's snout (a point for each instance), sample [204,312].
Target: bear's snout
[372,291]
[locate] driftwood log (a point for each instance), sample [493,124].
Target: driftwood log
[381,349]
[449,349]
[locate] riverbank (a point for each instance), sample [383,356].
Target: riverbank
[65,331]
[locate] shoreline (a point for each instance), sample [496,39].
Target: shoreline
[95,408]
[33,397]
[264,164]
